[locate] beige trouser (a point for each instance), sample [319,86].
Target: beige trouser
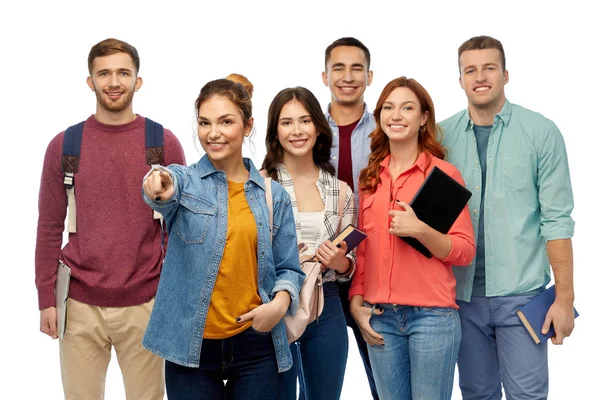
[86,348]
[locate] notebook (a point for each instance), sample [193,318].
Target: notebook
[351,235]
[438,202]
[533,315]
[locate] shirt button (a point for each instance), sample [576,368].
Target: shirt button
[475,210]
[334,133]
[334,157]
[477,188]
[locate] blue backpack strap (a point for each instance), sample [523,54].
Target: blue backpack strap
[70,165]
[155,143]
[72,148]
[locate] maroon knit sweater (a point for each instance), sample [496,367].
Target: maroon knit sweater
[116,254]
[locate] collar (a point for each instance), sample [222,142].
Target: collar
[503,116]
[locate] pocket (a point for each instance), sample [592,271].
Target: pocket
[194,216]
[256,331]
[515,171]
[440,311]
[369,213]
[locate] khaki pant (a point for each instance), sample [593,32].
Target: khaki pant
[86,349]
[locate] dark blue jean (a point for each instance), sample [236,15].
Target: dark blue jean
[247,361]
[320,353]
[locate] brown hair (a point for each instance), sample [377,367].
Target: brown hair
[238,93]
[321,150]
[380,144]
[482,43]
[112,46]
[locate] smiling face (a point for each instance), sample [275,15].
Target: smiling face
[482,78]
[296,131]
[347,75]
[221,131]
[114,80]
[401,116]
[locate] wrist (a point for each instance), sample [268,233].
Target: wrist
[345,267]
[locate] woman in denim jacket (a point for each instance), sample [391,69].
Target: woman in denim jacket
[224,287]
[298,145]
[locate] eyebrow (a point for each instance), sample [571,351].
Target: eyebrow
[118,70]
[402,104]
[290,118]
[485,65]
[340,64]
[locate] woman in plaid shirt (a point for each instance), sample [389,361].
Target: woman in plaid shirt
[298,145]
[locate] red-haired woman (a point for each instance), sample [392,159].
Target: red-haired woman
[404,302]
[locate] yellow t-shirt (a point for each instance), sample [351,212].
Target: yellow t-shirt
[236,289]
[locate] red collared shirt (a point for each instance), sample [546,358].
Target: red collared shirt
[388,270]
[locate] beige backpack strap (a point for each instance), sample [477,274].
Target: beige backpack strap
[269,198]
[69,182]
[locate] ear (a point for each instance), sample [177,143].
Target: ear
[138,83]
[460,82]
[369,77]
[424,118]
[90,83]
[248,129]
[324,77]
[505,76]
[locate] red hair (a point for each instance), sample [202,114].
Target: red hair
[380,145]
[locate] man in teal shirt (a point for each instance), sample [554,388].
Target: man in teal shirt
[514,162]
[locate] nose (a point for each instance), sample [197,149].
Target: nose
[114,80]
[296,128]
[348,76]
[480,76]
[397,114]
[214,132]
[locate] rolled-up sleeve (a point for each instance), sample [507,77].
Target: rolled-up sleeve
[554,186]
[289,275]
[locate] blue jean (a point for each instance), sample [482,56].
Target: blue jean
[247,361]
[320,353]
[419,354]
[496,350]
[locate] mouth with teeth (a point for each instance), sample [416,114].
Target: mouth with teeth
[480,89]
[214,145]
[298,142]
[397,126]
[114,95]
[347,89]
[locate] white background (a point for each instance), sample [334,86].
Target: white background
[551,50]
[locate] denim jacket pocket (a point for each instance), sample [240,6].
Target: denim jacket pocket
[194,217]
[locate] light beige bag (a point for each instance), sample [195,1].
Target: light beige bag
[311,294]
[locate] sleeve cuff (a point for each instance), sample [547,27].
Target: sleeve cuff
[288,287]
[46,297]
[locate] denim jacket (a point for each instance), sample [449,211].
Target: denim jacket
[196,219]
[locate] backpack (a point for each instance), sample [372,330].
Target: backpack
[311,296]
[155,155]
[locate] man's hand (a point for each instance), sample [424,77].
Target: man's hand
[562,316]
[48,322]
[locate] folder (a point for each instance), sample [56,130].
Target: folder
[438,202]
[63,279]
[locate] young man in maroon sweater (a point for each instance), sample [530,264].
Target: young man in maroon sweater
[116,253]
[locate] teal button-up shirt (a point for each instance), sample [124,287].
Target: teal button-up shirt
[528,198]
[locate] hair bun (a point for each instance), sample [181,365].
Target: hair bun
[242,80]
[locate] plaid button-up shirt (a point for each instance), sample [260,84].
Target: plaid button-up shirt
[329,189]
